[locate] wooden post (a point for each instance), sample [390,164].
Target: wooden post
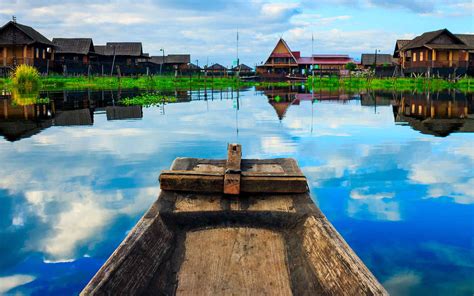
[5,109]
[5,56]
[232,173]
[25,49]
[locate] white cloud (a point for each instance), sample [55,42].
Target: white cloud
[377,206]
[9,282]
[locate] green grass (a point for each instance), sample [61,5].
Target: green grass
[399,84]
[141,82]
[183,83]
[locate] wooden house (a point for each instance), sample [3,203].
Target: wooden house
[399,44]
[434,50]
[283,61]
[368,60]
[216,69]
[468,39]
[193,68]
[243,69]
[123,57]
[80,50]
[20,44]
[169,63]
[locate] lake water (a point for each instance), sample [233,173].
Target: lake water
[393,173]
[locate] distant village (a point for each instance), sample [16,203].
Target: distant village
[437,53]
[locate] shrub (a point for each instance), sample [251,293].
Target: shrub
[26,77]
[351,66]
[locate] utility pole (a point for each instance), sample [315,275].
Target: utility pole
[163,61]
[113,61]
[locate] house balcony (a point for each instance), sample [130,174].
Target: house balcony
[436,64]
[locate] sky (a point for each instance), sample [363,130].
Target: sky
[207,29]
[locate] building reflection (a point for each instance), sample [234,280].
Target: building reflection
[66,108]
[281,98]
[78,108]
[438,114]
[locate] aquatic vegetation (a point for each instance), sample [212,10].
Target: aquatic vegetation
[26,77]
[148,99]
[142,82]
[399,84]
[20,97]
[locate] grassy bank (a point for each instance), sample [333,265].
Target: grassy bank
[399,84]
[183,83]
[142,82]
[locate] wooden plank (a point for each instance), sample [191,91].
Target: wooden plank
[149,243]
[234,261]
[192,183]
[215,183]
[232,172]
[272,184]
[335,266]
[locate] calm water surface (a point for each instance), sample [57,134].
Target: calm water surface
[392,172]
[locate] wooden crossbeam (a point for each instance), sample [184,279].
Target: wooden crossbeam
[235,176]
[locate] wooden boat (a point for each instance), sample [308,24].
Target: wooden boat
[296,78]
[234,227]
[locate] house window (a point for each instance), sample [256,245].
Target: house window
[37,53]
[75,58]
[414,56]
[44,54]
[421,56]
[129,61]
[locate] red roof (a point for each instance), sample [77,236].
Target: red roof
[325,60]
[296,54]
[331,56]
[305,61]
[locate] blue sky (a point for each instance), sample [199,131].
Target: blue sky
[207,29]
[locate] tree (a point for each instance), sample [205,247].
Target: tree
[351,66]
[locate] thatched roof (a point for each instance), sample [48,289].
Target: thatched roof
[192,66]
[368,59]
[217,67]
[171,59]
[242,67]
[468,39]
[399,45]
[74,45]
[35,36]
[425,39]
[100,49]
[120,49]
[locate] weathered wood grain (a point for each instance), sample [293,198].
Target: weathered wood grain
[133,264]
[202,243]
[336,267]
[234,261]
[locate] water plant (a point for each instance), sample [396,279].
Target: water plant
[26,77]
[148,100]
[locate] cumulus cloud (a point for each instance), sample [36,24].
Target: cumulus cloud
[203,28]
